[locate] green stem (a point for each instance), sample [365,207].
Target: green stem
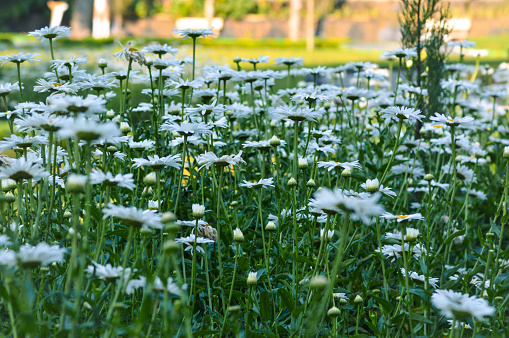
[394,150]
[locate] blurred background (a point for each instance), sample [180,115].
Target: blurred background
[325,32]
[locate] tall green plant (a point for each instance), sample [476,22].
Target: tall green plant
[423,25]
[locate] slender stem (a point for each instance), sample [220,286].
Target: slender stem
[394,150]
[18,65]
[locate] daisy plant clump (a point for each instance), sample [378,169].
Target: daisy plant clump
[142,197]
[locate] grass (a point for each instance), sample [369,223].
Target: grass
[328,52]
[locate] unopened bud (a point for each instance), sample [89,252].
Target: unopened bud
[333,312]
[270,226]
[238,236]
[429,177]
[318,282]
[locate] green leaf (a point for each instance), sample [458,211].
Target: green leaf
[265,308]
[386,306]
[453,236]
[287,299]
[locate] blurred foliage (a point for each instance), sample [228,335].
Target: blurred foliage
[234,9]
[237,9]
[15,11]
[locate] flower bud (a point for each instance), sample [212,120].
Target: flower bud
[292,183]
[153,205]
[303,163]
[110,114]
[506,152]
[270,226]
[76,183]
[252,278]
[347,172]
[171,247]
[237,59]
[311,183]
[103,63]
[145,231]
[333,312]
[238,236]
[358,299]
[318,282]
[112,149]
[150,179]
[125,128]
[429,177]
[372,185]
[67,214]
[168,217]
[412,234]
[9,197]
[147,191]
[198,210]
[8,184]
[329,235]
[234,308]
[275,141]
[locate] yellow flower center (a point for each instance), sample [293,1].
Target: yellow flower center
[131,49]
[450,120]
[402,216]
[57,84]
[437,127]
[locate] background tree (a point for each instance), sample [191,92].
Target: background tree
[209,11]
[81,19]
[294,19]
[423,25]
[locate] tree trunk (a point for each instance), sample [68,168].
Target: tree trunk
[81,19]
[209,12]
[294,20]
[310,25]
[117,27]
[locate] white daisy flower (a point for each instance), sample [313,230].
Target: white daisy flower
[88,129]
[133,216]
[462,122]
[209,158]
[55,32]
[193,33]
[187,129]
[291,61]
[124,181]
[402,218]
[461,305]
[265,183]
[130,54]
[108,272]
[30,256]
[159,49]
[189,241]
[20,58]
[402,113]
[157,285]
[21,169]
[296,114]
[406,53]
[415,276]
[156,162]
